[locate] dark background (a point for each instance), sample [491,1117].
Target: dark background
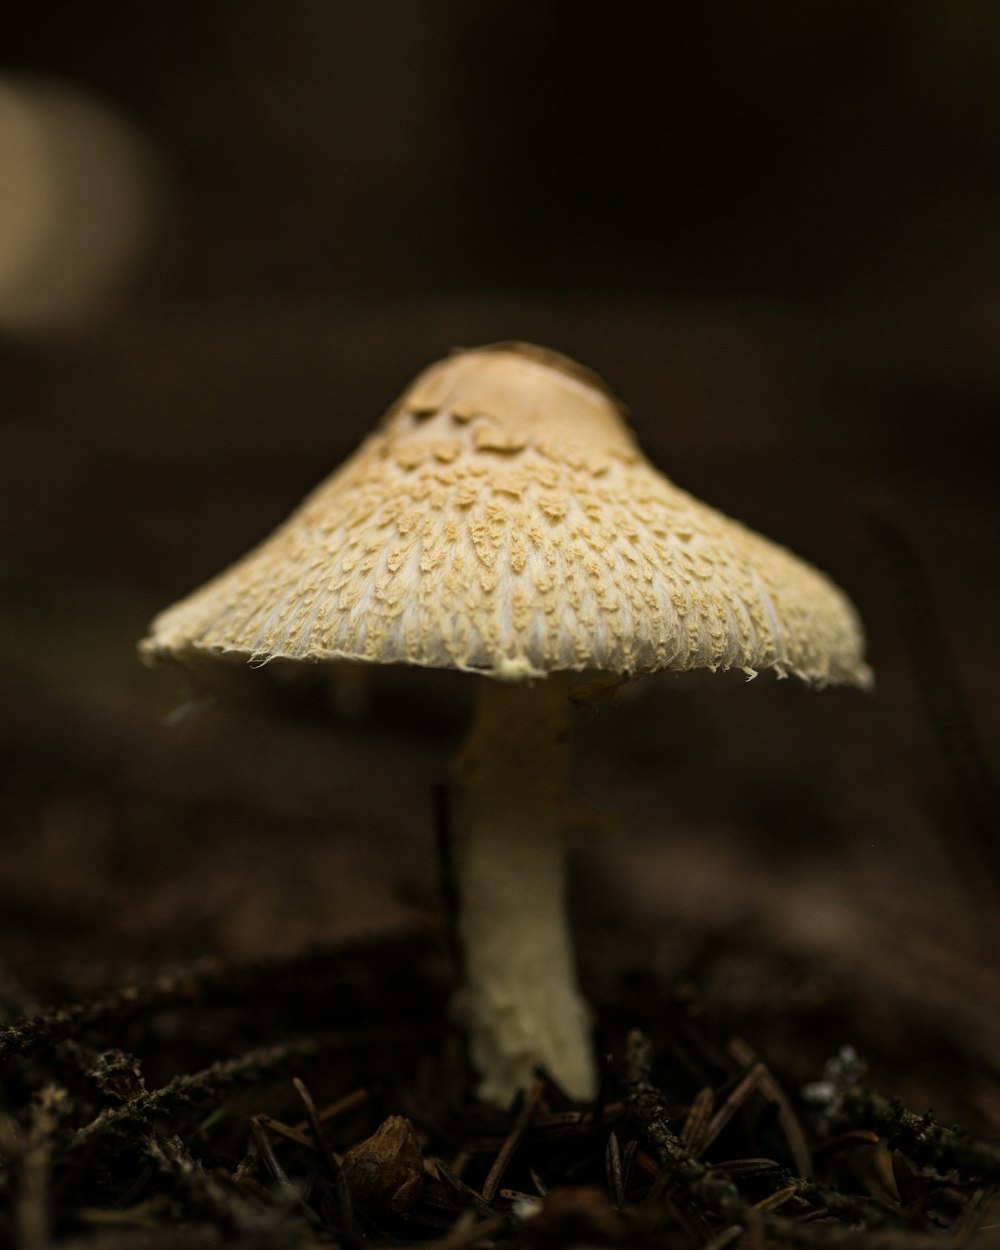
[775,229]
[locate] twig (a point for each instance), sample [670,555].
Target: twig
[356,1098]
[270,1160]
[289,1131]
[297,1132]
[608,1112]
[921,1138]
[464,1193]
[248,1069]
[541,1189]
[791,1126]
[186,985]
[776,1199]
[25,1036]
[444,844]
[517,1132]
[336,1171]
[749,1167]
[647,1105]
[741,1091]
[613,1169]
[226,1203]
[696,1121]
[708,1187]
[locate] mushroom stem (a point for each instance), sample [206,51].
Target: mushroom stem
[519,1001]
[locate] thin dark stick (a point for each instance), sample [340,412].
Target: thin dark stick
[749,1167]
[628,1162]
[540,1186]
[613,1168]
[336,1171]
[795,1136]
[776,1199]
[524,1117]
[464,1193]
[349,1102]
[297,1132]
[697,1120]
[270,1160]
[445,846]
[737,1097]
[288,1131]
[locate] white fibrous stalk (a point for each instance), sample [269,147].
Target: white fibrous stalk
[519,1001]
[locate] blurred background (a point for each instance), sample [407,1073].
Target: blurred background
[231,231]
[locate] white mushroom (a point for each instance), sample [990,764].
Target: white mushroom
[501,520]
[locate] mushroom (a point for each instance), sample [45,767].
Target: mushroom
[501,520]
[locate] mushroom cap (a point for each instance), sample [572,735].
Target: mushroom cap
[501,519]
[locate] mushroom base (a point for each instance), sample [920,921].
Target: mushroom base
[519,1001]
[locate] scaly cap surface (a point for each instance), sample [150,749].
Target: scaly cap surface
[502,520]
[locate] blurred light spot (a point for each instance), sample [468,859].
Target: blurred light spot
[78,188]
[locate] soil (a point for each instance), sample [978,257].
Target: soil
[236,1105]
[767,1073]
